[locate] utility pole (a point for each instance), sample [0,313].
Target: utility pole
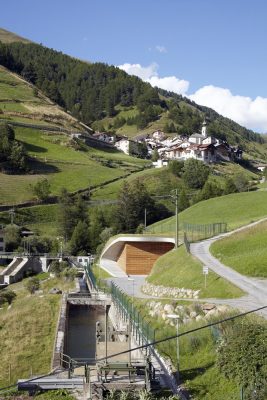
[176,220]
[145,218]
[174,196]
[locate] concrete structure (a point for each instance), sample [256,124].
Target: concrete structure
[18,269]
[85,260]
[134,255]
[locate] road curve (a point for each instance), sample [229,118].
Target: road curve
[255,288]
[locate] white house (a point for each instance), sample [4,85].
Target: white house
[160,163]
[158,135]
[123,145]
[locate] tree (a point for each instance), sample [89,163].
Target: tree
[55,268]
[209,190]
[7,296]
[66,215]
[155,155]
[241,182]
[195,173]
[41,189]
[17,156]
[183,201]
[138,149]
[32,284]
[80,240]
[12,237]
[176,167]
[97,224]
[133,199]
[39,244]
[242,355]
[230,186]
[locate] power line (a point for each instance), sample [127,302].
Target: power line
[8,388]
[183,333]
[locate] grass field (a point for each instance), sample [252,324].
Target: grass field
[245,251]
[236,210]
[62,165]
[154,180]
[179,269]
[27,331]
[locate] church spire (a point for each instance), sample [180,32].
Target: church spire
[204,128]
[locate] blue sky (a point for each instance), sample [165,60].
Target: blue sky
[213,51]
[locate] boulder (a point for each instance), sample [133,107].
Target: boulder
[169,309]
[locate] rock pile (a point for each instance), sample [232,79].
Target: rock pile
[186,313]
[163,291]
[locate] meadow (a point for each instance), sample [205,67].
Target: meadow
[235,210]
[244,251]
[27,330]
[178,268]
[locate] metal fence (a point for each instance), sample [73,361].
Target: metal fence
[193,231]
[90,276]
[141,330]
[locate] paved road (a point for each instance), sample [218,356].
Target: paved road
[255,288]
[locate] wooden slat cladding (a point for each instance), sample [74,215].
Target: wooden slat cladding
[139,258]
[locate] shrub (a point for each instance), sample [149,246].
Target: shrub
[32,284]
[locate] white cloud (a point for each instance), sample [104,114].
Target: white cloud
[161,49]
[150,74]
[142,72]
[244,110]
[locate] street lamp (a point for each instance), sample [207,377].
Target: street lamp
[175,316]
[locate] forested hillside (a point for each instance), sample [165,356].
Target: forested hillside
[107,98]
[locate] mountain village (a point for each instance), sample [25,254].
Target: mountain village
[199,146]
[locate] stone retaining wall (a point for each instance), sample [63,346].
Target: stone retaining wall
[163,291]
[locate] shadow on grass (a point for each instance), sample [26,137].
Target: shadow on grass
[39,167]
[33,148]
[189,374]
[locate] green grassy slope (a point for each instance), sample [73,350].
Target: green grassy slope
[32,320]
[177,268]
[53,156]
[21,102]
[245,251]
[236,210]
[154,180]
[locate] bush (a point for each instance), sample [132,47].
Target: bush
[32,284]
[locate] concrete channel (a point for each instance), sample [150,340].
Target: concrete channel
[92,328]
